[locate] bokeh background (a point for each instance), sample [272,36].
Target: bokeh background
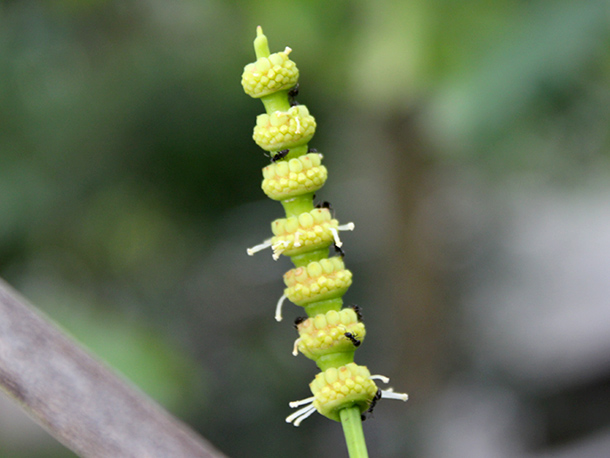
[468,141]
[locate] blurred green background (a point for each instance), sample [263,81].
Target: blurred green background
[468,141]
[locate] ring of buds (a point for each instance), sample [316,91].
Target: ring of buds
[318,281]
[330,334]
[295,177]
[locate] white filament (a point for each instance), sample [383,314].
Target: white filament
[389,394]
[278,248]
[338,241]
[347,227]
[295,347]
[278,308]
[383,378]
[259,247]
[300,415]
[295,404]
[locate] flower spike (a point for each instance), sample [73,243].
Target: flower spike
[330,334]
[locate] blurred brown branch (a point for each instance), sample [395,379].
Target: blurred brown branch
[79,400]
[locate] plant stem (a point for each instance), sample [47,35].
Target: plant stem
[352,429]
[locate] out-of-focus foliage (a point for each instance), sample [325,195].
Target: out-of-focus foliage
[130,188]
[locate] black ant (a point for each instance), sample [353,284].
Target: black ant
[292,93]
[354,338]
[358,311]
[371,405]
[312,150]
[280,155]
[339,250]
[298,320]
[325,204]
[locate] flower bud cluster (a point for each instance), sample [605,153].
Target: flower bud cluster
[335,388]
[284,129]
[270,74]
[287,179]
[318,281]
[330,334]
[300,234]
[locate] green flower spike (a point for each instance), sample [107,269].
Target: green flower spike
[343,391]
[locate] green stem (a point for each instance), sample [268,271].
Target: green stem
[278,101]
[298,205]
[352,429]
[334,360]
[301,260]
[321,307]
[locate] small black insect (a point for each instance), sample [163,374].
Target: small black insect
[371,405]
[354,338]
[292,93]
[328,206]
[280,155]
[298,320]
[324,204]
[312,150]
[358,311]
[339,250]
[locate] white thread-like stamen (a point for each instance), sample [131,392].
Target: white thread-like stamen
[305,415]
[383,378]
[298,131]
[338,241]
[297,241]
[295,347]
[389,394]
[300,415]
[344,227]
[278,248]
[347,227]
[278,308]
[295,404]
[260,247]
[288,50]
